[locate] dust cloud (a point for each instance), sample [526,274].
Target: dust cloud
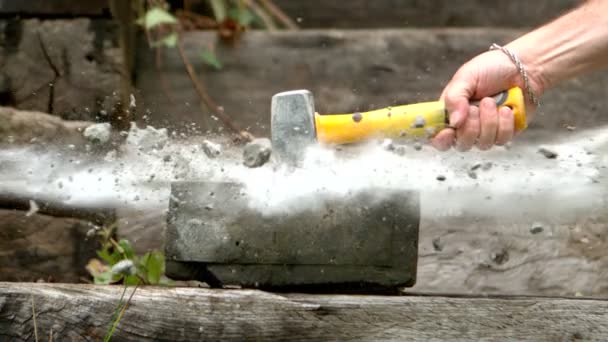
[501,182]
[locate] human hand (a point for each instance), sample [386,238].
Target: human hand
[485,125]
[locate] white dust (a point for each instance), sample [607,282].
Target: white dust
[499,182]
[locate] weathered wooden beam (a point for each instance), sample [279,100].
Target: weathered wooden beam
[20,127]
[347,70]
[84,312]
[413,13]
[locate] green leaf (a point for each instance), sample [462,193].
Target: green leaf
[153,264]
[169,40]
[127,249]
[131,280]
[156,16]
[110,259]
[211,59]
[104,278]
[242,15]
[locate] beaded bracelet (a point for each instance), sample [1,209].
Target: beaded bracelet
[520,68]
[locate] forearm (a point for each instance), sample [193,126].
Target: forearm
[571,45]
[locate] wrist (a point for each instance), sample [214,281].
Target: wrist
[522,76]
[538,79]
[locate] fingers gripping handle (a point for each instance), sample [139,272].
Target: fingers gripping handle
[514,99]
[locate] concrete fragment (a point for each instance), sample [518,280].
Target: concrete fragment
[146,139]
[257,152]
[419,123]
[99,133]
[547,153]
[437,244]
[211,149]
[388,145]
[536,228]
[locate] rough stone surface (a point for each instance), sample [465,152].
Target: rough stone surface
[257,152]
[41,247]
[415,13]
[77,76]
[328,242]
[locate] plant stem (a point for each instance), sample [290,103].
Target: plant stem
[266,19]
[115,316]
[200,89]
[279,14]
[34,318]
[219,9]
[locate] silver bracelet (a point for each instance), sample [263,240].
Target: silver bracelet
[520,68]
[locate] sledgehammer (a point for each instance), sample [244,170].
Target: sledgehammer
[295,124]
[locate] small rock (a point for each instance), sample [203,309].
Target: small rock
[536,228]
[441,178]
[257,152]
[33,209]
[211,149]
[399,150]
[500,257]
[475,167]
[417,146]
[547,153]
[357,117]
[472,174]
[209,207]
[419,122]
[98,133]
[147,139]
[437,244]
[486,166]
[388,145]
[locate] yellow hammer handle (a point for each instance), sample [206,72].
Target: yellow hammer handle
[420,120]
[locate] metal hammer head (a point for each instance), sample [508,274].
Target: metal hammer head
[292,124]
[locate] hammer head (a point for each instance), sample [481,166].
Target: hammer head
[292,125]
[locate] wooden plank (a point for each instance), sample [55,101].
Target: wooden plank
[346,71]
[415,13]
[83,312]
[21,127]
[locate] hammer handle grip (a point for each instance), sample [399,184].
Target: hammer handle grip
[419,120]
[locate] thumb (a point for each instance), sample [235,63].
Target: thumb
[456,97]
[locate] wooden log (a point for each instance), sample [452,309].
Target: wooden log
[41,247]
[346,71]
[84,312]
[413,13]
[19,127]
[69,68]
